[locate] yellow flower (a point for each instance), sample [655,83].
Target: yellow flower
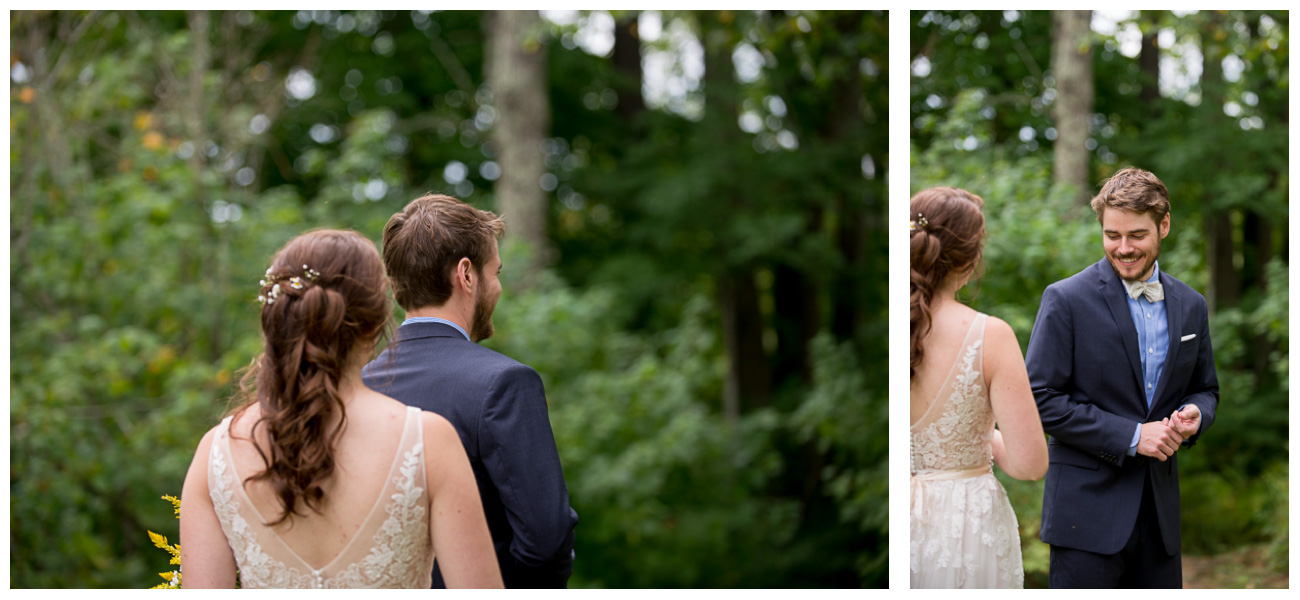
[153,140]
[176,503]
[173,578]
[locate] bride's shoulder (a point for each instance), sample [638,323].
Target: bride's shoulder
[437,429]
[997,330]
[995,324]
[1000,343]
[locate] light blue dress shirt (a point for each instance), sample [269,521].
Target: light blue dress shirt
[1152,326]
[437,320]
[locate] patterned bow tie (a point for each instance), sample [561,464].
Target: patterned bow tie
[1152,289]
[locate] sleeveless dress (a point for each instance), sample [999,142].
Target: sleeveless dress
[390,550]
[963,531]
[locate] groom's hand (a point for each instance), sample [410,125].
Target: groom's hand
[1159,440]
[1186,421]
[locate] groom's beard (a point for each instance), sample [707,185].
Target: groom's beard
[480,327]
[1146,262]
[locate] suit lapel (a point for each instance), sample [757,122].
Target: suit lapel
[1174,316]
[1112,290]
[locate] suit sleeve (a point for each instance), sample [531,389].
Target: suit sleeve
[1050,363]
[519,453]
[1203,388]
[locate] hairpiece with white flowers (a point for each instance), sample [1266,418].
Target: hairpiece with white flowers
[294,282]
[919,223]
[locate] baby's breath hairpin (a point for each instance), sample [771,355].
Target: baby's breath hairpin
[919,223]
[270,297]
[294,282]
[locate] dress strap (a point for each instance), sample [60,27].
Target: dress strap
[222,437]
[413,420]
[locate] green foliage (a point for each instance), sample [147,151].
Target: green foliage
[638,422]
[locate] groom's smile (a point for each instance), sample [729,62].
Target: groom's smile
[1132,242]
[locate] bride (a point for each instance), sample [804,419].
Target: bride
[967,375]
[317,481]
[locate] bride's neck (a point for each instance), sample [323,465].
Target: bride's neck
[350,384]
[947,292]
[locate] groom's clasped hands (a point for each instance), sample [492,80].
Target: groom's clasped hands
[1160,439]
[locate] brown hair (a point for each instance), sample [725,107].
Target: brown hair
[325,294]
[424,242]
[1133,190]
[947,237]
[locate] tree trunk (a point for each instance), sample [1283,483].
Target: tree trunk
[197,128]
[1072,68]
[627,67]
[849,303]
[1149,67]
[749,379]
[1221,251]
[795,301]
[515,69]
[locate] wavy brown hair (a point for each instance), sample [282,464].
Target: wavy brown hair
[947,237]
[1134,190]
[424,242]
[312,327]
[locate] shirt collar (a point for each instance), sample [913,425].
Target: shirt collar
[436,320]
[1155,272]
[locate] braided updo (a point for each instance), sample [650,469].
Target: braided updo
[947,237]
[323,301]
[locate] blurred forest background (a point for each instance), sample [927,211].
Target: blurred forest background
[695,262]
[1032,111]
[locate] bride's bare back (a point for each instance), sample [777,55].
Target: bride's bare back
[949,323]
[402,492]
[1018,446]
[363,457]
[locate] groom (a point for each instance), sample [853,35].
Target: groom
[441,255]
[1122,369]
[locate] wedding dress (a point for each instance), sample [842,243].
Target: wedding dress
[399,553]
[963,531]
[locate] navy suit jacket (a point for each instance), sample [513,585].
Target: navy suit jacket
[498,407]
[1086,373]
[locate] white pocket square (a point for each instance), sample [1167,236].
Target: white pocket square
[1187,337]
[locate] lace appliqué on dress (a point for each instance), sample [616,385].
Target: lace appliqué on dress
[963,531]
[401,554]
[402,546]
[256,568]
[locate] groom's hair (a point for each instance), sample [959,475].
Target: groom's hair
[424,242]
[1133,190]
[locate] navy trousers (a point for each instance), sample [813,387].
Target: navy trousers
[1143,562]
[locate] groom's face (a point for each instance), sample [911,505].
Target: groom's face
[485,298]
[1132,242]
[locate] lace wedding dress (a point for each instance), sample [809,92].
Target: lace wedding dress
[399,553]
[964,533]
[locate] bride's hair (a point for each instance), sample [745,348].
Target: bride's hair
[323,305]
[947,237]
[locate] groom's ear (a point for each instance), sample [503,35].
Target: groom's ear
[465,274]
[1164,226]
